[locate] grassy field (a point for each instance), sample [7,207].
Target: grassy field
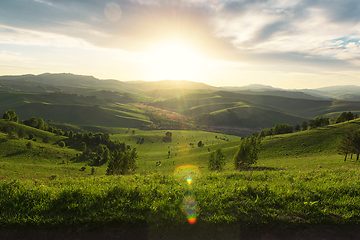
[154,152]
[299,179]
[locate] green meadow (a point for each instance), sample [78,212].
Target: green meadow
[299,179]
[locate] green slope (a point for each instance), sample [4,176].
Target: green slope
[253,110]
[72,109]
[321,141]
[251,117]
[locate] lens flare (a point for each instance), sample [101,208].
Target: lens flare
[190,208]
[189,180]
[112,12]
[188,172]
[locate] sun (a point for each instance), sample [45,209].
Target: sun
[174,61]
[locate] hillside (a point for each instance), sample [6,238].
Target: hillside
[72,109]
[298,181]
[155,155]
[85,100]
[209,103]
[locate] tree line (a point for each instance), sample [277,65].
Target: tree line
[283,128]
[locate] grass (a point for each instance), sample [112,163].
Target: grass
[183,148]
[292,183]
[253,197]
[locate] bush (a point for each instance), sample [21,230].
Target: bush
[31,135]
[21,133]
[29,145]
[46,139]
[62,144]
[217,160]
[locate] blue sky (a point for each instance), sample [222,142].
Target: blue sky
[282,43]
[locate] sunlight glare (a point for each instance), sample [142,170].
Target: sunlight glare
[174,61]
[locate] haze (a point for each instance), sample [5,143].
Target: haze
[286,44]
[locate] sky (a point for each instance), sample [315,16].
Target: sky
[291,44]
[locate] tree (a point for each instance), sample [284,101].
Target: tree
[100,149]
[79,136]
[83,147]
[343,117]
[319,122]
[121,163]
[168,137]
[297,127]
[33,122]
[13,116]
[87,151]
[200,144]
[283,128]
[6,116]
[106,154]
[217,160]
[346,144]
[10,115]
[40,123]
[247,153]
[21,133]
[356,144]
[304,126]
[263,133]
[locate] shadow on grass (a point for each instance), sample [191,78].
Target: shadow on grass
[262,169]
[15,153]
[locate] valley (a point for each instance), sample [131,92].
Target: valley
[50,180]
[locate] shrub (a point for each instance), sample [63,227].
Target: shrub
[45,139]
[217,160]
[29,145]
[31,135]
[168,137]
[21,133]
[62,144]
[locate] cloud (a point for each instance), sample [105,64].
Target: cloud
[235,30]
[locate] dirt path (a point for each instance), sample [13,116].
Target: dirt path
[191,232]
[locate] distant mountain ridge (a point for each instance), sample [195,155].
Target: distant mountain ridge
[52,82]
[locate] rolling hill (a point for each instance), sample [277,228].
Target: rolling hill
[86,100]
[72,109]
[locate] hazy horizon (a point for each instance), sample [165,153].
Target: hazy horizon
[284,44]
[261,86]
